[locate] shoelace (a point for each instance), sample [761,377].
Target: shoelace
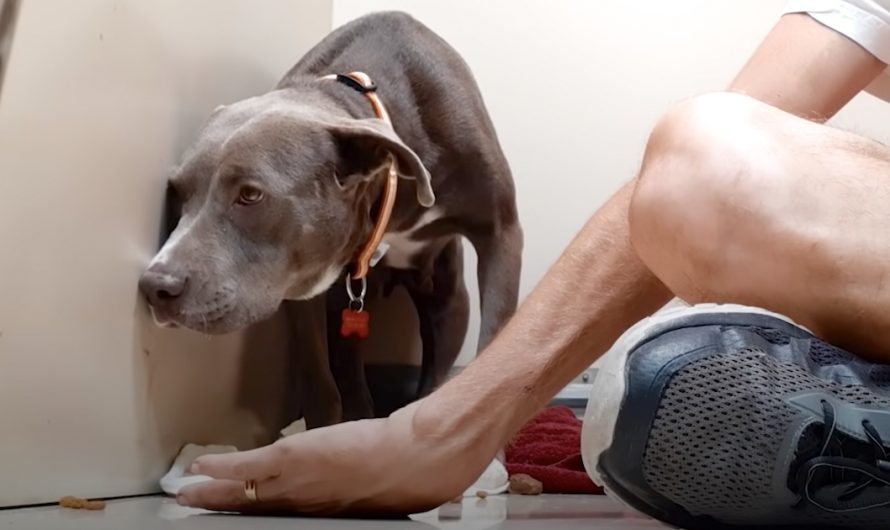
[832,467]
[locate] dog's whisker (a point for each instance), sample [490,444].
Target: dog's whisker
[204,318]
[154,317]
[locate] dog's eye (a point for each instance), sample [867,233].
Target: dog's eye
[250,195]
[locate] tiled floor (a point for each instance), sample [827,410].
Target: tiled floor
[509,512]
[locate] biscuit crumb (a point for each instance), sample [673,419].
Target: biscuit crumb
[482,494]
[523,484]
[77,503]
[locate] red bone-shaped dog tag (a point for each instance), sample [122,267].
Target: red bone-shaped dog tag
[354,323]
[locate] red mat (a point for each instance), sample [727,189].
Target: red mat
[548,448]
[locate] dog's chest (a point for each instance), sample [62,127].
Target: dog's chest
[404,246]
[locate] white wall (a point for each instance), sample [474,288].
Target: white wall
[100,99]
[574,86]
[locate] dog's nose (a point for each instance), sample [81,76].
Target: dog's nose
[162,288]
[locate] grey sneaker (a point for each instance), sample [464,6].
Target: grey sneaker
[713,417]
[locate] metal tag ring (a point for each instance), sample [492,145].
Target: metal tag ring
[352,296]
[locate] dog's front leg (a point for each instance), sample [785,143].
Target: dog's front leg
[319,396]
[346,360]
[500,262]
[443,312]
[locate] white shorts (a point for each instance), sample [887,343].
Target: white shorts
[865,22]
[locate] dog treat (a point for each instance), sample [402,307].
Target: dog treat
[482,494]
[523,484]
[77,503]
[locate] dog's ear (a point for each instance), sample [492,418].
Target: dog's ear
[365,146]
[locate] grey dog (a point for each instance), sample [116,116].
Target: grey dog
[280,191]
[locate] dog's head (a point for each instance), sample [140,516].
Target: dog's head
[275,198]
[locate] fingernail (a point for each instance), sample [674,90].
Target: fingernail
[193,469]
[180,500]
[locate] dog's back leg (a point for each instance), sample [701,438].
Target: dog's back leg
[496,235]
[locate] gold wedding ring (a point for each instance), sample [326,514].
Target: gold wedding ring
[250,490]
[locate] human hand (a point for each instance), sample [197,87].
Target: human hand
[407,463]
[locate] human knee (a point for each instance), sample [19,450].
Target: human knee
[698,171]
